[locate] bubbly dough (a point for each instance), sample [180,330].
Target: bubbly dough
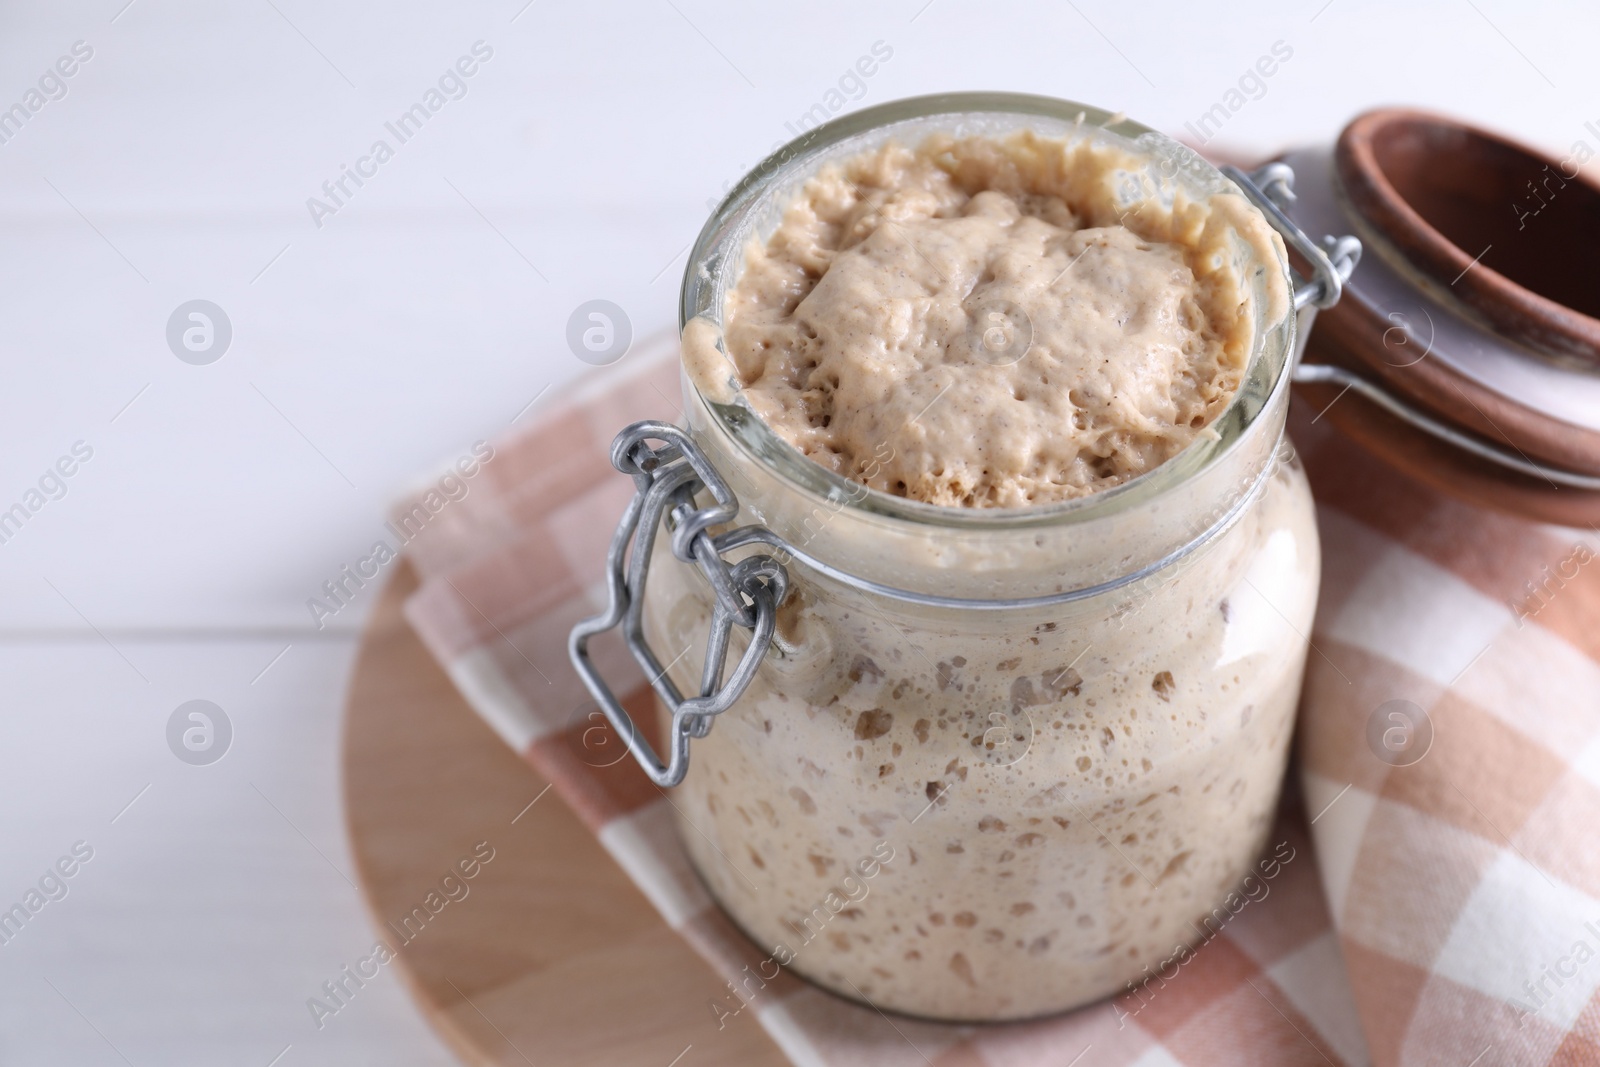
[986,310]
[1057,801]
[988,815]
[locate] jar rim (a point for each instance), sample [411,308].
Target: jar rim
[717,256]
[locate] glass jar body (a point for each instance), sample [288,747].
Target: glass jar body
[997,814]
[997,762]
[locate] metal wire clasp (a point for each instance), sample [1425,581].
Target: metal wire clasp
[747,593]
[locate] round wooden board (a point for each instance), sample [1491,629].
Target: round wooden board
[553,956]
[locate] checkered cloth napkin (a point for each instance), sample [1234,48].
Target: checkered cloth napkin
[1441,910]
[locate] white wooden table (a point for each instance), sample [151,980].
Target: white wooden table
[427,310]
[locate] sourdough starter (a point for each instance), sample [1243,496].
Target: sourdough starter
[1011,343]
[990,815]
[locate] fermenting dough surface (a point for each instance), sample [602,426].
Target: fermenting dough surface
[979,312]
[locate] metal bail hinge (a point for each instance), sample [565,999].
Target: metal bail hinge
[747,593]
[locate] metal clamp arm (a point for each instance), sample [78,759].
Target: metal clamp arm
[747,593]
[1328,374]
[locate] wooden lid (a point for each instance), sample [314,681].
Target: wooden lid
[1432,461]
[1401,326]
[1361,337]
[1508,233]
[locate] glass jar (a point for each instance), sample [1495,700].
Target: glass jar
[994,763]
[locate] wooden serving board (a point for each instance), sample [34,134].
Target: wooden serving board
[552,956]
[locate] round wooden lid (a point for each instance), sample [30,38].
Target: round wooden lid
[1509,234]
[1425,351]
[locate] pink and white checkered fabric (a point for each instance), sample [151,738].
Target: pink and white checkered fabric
[1445,912]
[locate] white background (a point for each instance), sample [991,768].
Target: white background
[424,315]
